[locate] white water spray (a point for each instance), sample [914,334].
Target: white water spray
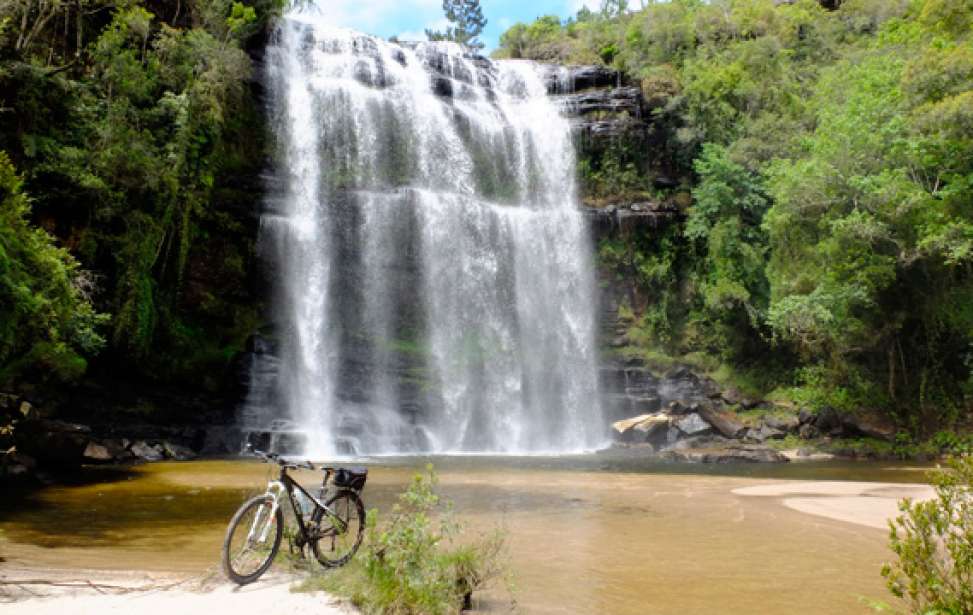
[437,290]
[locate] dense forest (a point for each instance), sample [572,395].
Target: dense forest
[132,142]
[822,154]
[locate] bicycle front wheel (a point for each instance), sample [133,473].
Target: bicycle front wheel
[252,540]
[338,537]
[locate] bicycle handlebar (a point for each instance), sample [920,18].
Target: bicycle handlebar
[276,458]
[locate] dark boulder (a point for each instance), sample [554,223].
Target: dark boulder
[118,449]
[742,454]
[693,425]
[681,372]
[710,388]
[869,424]
[676,407]
[764,433]
[828,421]
[732,396]
[663,182]
[805,416]
[53,443]
[725,423]
[707,441]
[17,467]
[808,431]
[787,424]
[147,452]
[178,452]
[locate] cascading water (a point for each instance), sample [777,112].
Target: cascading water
[436,286]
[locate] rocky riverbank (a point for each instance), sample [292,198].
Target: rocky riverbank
[679,415]
[34,445]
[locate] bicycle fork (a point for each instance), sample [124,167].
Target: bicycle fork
[274,490]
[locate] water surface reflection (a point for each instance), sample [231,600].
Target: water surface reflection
[590,534]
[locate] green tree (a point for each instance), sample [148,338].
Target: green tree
[725,226]
[933,541]
[133,124]
[47,322]
[871,226]
[613,8]
[466,23]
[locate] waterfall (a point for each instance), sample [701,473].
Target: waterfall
[435,279]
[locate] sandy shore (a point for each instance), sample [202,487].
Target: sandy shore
[868,504]
[62,592]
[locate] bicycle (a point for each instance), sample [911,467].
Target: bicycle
[333,530]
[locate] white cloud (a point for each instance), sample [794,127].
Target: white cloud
[439,25]
[372,16]
[411,35]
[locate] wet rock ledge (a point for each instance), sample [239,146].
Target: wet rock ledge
[33,445]
[678,415]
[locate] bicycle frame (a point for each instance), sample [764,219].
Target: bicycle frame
[286,484]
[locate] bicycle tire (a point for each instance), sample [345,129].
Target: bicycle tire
[244,577]
[349,507]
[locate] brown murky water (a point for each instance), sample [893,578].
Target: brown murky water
[587,535]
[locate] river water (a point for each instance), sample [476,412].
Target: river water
[586,534]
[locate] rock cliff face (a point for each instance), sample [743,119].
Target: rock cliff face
[608,112]
[605,109]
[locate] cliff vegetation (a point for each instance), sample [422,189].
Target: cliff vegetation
[821,156]
[132,140]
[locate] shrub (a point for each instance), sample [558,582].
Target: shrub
[47,321]
[934,544]
[414,563]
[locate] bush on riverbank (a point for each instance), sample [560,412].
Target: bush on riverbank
[934,544]
[415,563]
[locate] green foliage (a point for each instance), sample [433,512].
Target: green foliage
[414,563]
[129,120]
[724,225]
[933,541]
[590,38]
[829,156]
[467,23]
[870,242]
[47,322]
[654,262]
[614,173]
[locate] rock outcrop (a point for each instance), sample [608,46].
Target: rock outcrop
[737,454]
[623,220]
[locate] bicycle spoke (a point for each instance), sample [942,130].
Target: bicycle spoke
[341,524]
[252,539]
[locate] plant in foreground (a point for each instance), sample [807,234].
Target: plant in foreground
[416,562]
[934,544]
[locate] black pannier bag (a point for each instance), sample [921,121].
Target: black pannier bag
[350,478]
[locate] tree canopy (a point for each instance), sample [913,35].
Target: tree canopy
[825,151]
[129,122]
[466,23]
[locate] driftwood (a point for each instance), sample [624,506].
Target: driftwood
[25,585]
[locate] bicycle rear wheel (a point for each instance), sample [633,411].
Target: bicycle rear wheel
[333,545]
[252,540]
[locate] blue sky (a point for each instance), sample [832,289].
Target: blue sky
[409,18]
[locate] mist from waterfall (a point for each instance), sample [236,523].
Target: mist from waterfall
[436,290]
